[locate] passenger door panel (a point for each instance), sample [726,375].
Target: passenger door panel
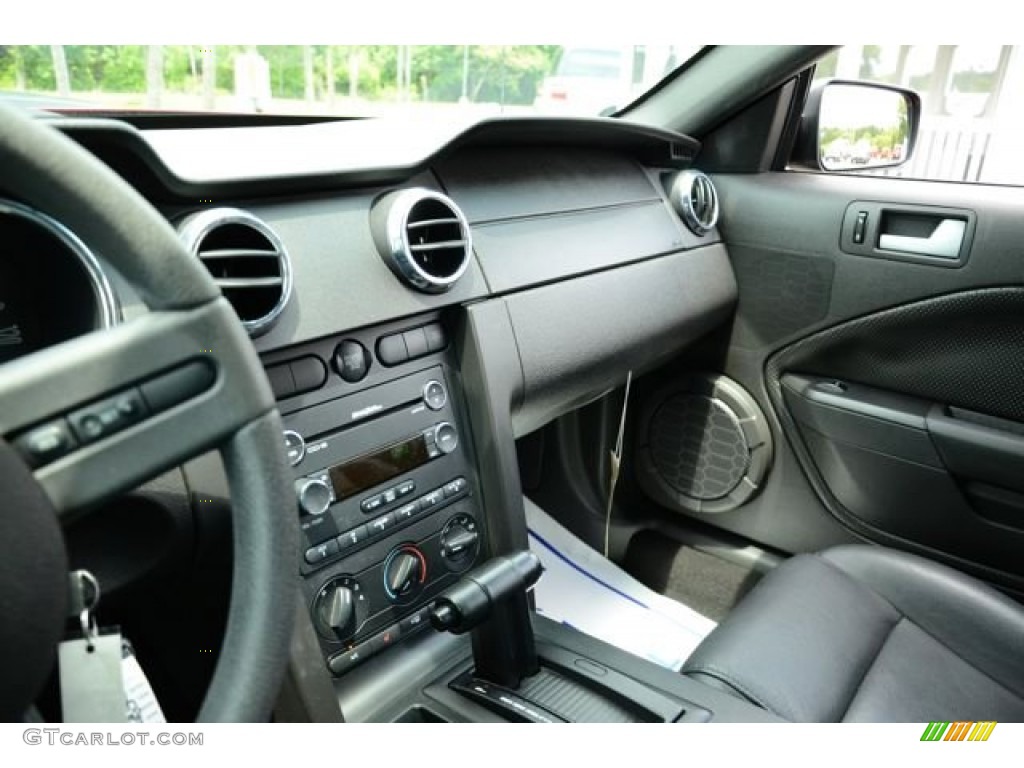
[921,449]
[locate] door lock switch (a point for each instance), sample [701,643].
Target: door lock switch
[860,227]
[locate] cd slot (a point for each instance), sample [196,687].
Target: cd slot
[363,407]
[376,415]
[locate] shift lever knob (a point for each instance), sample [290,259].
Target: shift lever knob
[473,597]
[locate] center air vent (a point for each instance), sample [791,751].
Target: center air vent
[247,261]
[694,198]
[423,237]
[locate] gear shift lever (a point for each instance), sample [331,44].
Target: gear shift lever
[491,601]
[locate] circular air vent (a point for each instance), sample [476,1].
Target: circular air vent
[694,198]
[247,261]
[428,243]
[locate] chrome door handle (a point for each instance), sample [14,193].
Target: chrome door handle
[944,242]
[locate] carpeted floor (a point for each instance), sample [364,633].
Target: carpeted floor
[704,582]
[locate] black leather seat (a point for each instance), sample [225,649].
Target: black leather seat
[860,633]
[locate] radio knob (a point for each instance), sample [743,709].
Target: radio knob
[434,395]
[445,437]
[314,496]
[294,446]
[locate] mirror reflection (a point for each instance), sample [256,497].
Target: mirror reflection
[862,127]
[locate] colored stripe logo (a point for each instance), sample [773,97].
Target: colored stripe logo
[959,731]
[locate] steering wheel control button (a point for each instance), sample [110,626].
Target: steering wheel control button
[46,443]
[351,361]
[315,495]
[391,350]
[436,340]
[130,406]
[415,343]
[321,552]
[353,537]
[108,416]
[309,373]
[455,487]
[179,385]
[294,446]
[435,395]
[445,437]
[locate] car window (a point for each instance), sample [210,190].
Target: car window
[972,99]
[344,80]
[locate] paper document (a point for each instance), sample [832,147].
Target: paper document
[584,590]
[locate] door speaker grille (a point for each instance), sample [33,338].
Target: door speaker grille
[704,445]
[697,446]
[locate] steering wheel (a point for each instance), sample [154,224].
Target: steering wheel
[191,341]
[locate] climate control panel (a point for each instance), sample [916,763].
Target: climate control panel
[375,596]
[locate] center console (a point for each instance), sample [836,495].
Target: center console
[390,486]
[385,488]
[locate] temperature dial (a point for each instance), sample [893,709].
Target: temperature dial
[460,542]
[340,608]
[405,573]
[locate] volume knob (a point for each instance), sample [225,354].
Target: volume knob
[315,496]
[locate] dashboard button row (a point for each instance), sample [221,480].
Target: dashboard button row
[357,654]
[377,526]
[297,377]
[48,442]
[389,496]
[414,343]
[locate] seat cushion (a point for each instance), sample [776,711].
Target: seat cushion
[868,634]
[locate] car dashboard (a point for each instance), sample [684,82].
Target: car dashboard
[421,298]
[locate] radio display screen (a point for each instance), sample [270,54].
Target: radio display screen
[371,469]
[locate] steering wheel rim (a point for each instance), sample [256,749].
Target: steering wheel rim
[189,323]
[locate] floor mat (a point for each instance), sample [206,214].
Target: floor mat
[704,582]
[584,590]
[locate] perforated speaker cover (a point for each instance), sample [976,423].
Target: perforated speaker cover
[705,445]
[697,446]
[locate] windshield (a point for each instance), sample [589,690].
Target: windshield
[336,80]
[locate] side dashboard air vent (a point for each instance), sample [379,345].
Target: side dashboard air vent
[423,237]
[247,261]
[695,200]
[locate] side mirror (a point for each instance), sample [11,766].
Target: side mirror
[852,125]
